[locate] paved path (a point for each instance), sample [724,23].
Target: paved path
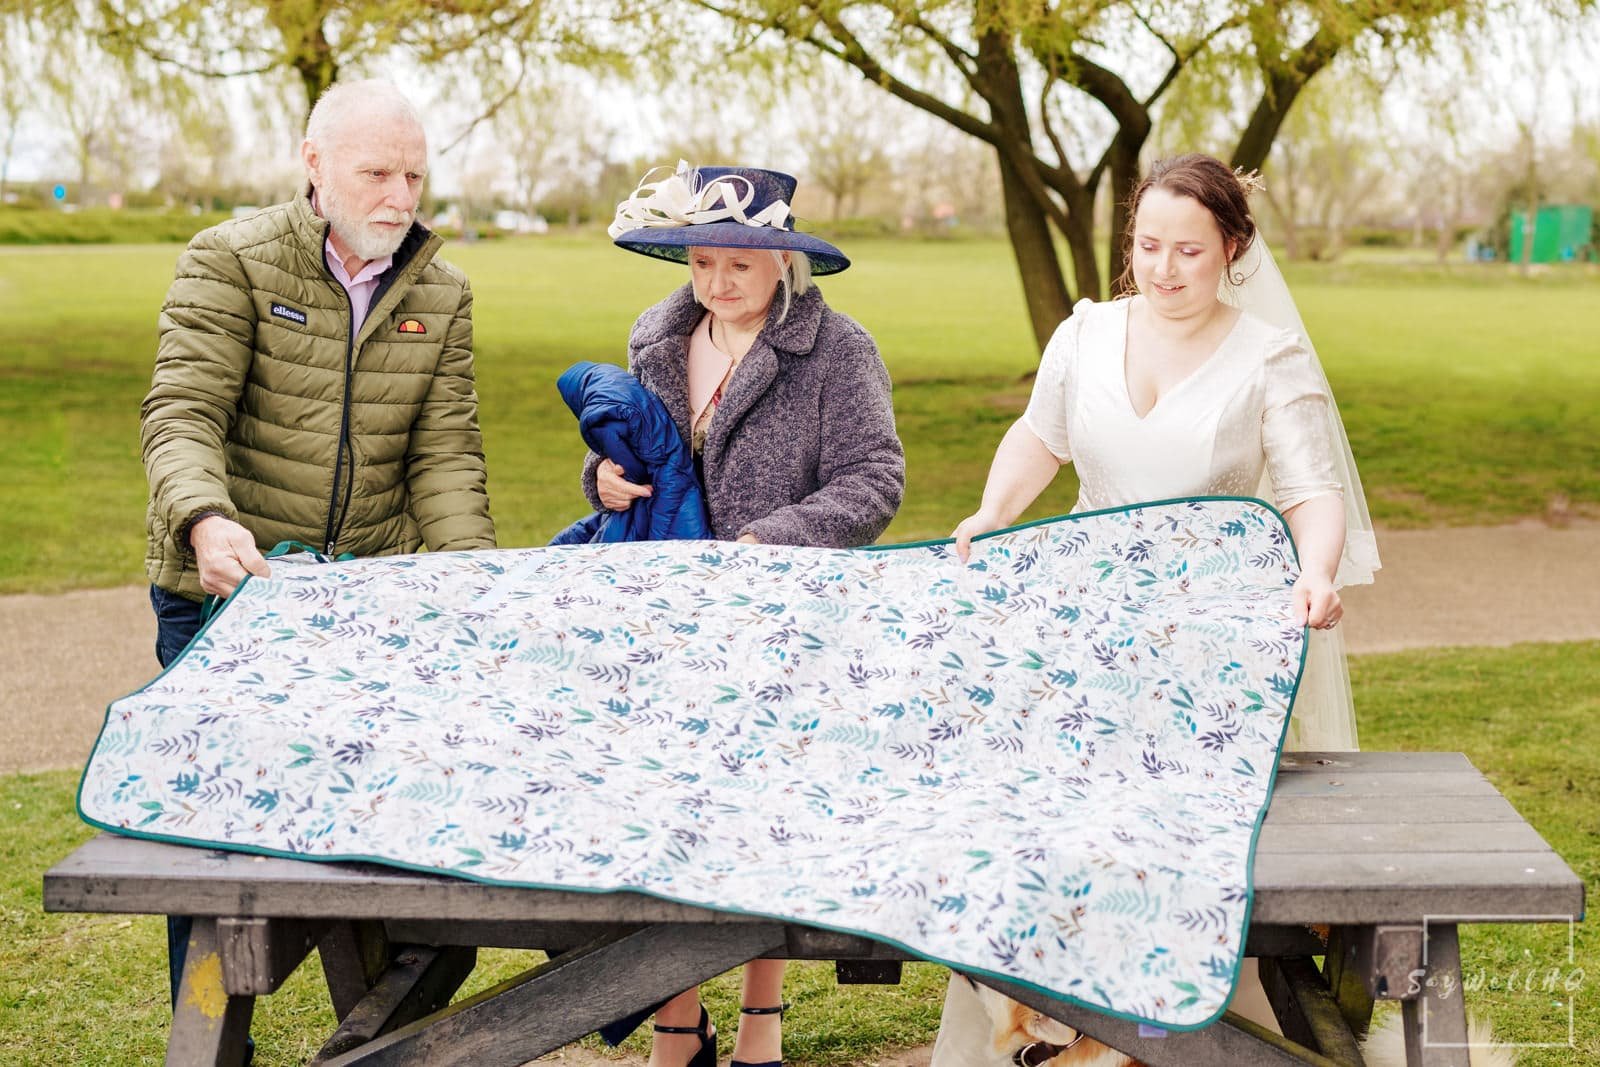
[63,658]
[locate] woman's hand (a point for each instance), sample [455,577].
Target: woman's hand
[616,492]
[981,522]
[1022,467]
[1316,602]
[1318,528]
[748,539]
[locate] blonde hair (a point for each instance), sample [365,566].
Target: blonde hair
[794,277]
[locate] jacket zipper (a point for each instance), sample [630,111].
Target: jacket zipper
[335,526]
[331,532]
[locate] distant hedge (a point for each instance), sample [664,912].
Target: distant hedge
[95,226]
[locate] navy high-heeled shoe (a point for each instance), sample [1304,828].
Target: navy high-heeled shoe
[778,1011]
[706,1055]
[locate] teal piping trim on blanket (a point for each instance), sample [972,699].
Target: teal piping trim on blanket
[1010,979]
[208,615]
[934,542]
[256,850]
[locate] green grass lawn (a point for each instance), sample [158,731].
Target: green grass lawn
[1470,395]
[1527,716]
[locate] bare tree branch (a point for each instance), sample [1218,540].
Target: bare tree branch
[850,50]
[494,106]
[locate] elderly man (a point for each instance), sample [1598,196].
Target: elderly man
[314,379]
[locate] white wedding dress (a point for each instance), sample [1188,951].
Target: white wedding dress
[1257,419]
[1252,420]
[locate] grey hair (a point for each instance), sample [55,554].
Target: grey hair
[342,102]
[794,277]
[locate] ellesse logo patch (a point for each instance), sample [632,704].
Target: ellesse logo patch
[284,311]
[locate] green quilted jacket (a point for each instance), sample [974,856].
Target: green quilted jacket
[265,409]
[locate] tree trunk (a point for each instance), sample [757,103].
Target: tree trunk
[85,154]
[1026,198]
[1124,179]
[316,77]
[1079,236]
[5,155]
[311,55]
[1336,227]
[1284,213]
[1283,87]
[1043,287]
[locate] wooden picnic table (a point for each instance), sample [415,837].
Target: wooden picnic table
[1387,852]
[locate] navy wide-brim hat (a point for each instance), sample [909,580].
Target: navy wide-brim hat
[718,207]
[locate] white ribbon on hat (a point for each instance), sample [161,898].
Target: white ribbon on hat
[674,201]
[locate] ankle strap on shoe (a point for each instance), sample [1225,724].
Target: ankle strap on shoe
[779,1010]
[702,1029]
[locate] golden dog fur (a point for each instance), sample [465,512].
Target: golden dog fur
[1016,1025]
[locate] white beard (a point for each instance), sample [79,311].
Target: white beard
[358,234]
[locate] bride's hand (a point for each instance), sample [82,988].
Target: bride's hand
[981,522]
[1316,602]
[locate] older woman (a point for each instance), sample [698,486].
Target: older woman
[785,404]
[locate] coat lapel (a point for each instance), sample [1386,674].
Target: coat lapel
[794,337]
[660,344]
[756,373]
[664,369]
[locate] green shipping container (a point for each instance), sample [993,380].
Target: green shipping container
[1561,234]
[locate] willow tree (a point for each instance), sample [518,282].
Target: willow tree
[315,40]
[1067,93]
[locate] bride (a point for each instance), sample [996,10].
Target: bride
[1200,381]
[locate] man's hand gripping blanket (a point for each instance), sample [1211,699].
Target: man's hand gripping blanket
[1049,765]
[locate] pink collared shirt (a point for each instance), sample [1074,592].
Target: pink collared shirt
[362,286]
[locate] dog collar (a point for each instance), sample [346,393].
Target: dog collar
[1042,1052]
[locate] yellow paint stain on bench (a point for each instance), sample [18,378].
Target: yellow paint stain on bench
[205,985]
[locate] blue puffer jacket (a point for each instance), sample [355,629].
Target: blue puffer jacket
[625,422]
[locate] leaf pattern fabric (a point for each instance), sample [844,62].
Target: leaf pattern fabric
[1049,765]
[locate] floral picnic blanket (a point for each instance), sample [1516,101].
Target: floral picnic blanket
[1048,766]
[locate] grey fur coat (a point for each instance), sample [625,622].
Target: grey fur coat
[802,449]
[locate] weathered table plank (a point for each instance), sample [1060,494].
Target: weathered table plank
[1329,811]
[109,874]
[1375,762]
[1346,839]
[1380,887]
[1409,789]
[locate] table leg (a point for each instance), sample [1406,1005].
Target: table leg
[1305,1008]
[1435,1019]
[1230,1041]
[421,980]
[209,1027]
[354,956]
[560,1001]
[1345,979]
